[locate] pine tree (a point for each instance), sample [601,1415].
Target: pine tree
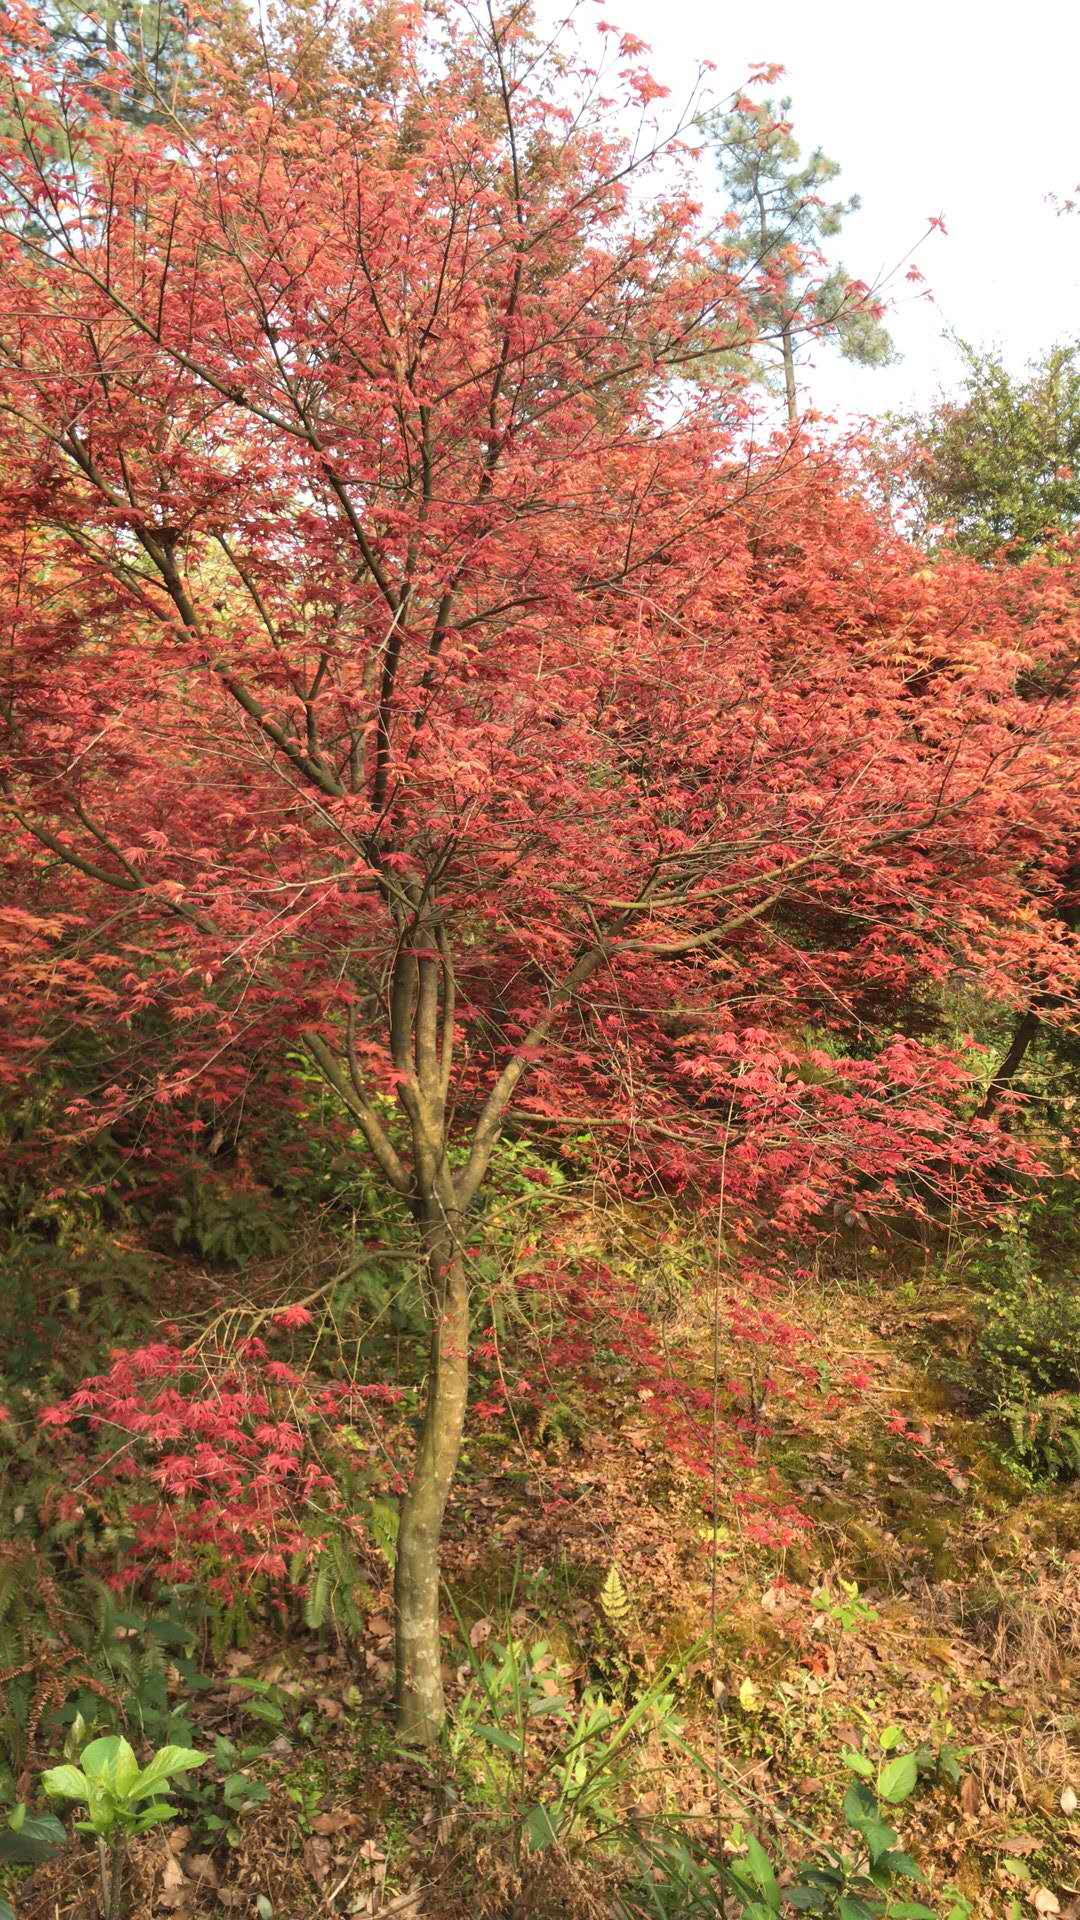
[779,219]
[150,40]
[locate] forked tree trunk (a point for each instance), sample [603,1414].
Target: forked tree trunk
[420,1704]
[422,1000]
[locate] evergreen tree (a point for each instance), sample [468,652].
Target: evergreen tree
[780,219]
[150,37]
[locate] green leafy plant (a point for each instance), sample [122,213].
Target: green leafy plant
[1044,1435]
[26,1840]
[847,1610]
[897,1773]
[564,1788]
[1029,1340]
[228,1225]
[217,1806]
[78,1654]
[942,1762]
[680,1875]
[266,1701]
[121,1799]
[832,1882]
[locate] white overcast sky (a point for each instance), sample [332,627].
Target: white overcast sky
[970,108]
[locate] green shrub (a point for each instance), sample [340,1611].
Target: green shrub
[1030,1339]
[1026,1367]
[227,1224]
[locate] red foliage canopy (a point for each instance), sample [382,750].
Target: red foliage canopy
[374,574]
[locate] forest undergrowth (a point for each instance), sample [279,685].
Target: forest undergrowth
[644,1682]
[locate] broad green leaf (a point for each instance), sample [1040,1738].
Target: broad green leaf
[900,1866]
[891,1738]
[497,1737]
[762,1873]
[238,1791]
[17,1816]
[859,1805]
[806,1899]
[858,1762]
[879,1838]
[909,1910]
[539,1828]
[152,1815]
[898,1778]
[171,1633]
[110,1762]
[38,1837]
[852,1908]
[6,1912]
[165,1763]
[66,1783]
[265,1710]
[1017,1868]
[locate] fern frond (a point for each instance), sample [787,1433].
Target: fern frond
[614,1600]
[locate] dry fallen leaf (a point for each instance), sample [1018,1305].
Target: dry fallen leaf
[1044,1901]
[176,1899]
[316,1855]
[333,1822]
[201,1867]
[1068,1802]
[971,1798]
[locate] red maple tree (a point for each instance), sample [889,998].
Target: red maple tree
[411,659]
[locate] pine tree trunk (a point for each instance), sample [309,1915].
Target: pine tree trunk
[421,1707]
[789,378]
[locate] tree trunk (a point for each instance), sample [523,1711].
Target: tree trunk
[1029,1024]
[789,377]
[1023,1034]
[421,1708]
